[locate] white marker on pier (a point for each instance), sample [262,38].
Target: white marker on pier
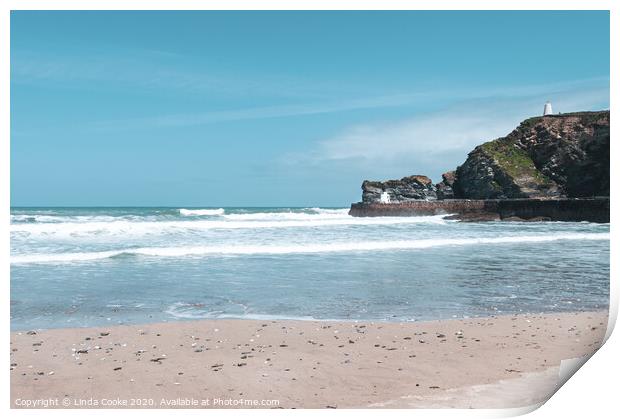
[385,197]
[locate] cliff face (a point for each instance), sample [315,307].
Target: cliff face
[550,156]
[445,188]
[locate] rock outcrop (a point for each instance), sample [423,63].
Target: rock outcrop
[551,156]
[445,188]
[407,189]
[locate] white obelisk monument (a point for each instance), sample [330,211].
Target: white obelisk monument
[548,109]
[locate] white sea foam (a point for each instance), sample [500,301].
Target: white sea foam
[60,219]
[340,211]
[22,218]
[194,212]
[36,218]
[313,214]
[130,228]
[196,312]
[361,246]
[64,257]
[190,311]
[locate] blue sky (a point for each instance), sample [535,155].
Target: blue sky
[278,108]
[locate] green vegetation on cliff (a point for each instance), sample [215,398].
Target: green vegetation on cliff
[515,162]
[545,156]
[552,156]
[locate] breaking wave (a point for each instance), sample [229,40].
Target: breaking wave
[261,220]
[310,214]
[307,248]
[195,212]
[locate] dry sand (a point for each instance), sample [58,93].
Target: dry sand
[504,361]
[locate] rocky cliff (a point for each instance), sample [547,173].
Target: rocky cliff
[550,156]
[406,189]
[445,188]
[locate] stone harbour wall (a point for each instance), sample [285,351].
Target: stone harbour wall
[563,209]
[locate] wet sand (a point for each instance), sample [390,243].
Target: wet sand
[503,361]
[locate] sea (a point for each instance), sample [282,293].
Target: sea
[79,267]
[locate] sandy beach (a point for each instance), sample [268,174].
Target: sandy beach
[503,361]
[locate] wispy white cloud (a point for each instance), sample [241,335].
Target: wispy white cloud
[456,128]
[263,112]
[140,70]
[471,120]
[479,116]
[161,70]
[433,142]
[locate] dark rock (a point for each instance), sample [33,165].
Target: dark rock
[551,156]
[500,170]
[554,167]
[474,216]
[445,187]
[406,189]
[531,209]
[539,218]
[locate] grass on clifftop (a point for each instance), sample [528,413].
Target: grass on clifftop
[529,122]
[514,161]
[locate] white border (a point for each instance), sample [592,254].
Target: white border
[593,391]
[307,5]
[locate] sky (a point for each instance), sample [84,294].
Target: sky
[212,109]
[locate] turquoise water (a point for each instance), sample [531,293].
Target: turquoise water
[94,266]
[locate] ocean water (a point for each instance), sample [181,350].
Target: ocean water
[74,267]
